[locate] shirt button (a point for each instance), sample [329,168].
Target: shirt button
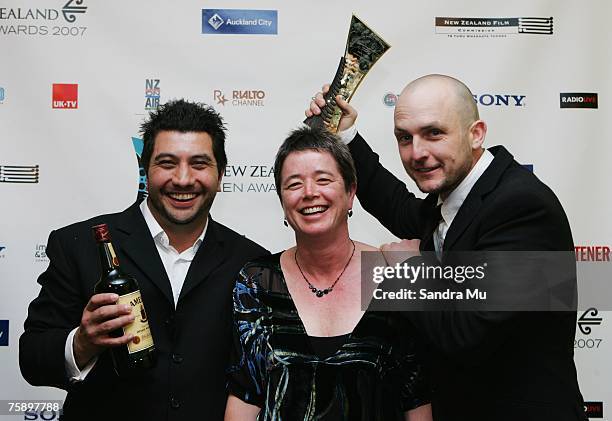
[174,403]
[177,358]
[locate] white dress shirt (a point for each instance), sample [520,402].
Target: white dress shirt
[176,265]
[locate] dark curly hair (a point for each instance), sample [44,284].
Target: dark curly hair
[184,116]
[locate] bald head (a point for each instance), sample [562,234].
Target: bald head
[457,93]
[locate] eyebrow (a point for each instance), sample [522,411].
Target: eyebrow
[204,157]
[317,172]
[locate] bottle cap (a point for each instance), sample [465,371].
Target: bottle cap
[101,233]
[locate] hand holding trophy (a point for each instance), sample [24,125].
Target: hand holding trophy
[363,48]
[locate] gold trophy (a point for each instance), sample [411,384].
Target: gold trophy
[363,48]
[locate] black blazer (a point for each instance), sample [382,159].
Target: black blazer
[192,341]
[487,366]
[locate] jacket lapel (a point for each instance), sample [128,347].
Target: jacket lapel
[473,201]
[428,210]
[210,255]
[135,242]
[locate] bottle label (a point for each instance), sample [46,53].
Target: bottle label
[113,255]
[140,326]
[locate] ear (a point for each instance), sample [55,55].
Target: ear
[478,131]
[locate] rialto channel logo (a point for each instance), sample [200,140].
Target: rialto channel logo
[481,27]
[19,174]
[65,96]
[240,98]
[239,21]
[578,100]
[29,20]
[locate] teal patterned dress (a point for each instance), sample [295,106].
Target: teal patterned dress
[374,375]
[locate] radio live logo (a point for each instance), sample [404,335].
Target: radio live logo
[593,409]
[19,173]
[460,27]
[65,96]
[578,100]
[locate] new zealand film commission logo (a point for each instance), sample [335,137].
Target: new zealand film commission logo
[461,27]
[487,100]
[22,21]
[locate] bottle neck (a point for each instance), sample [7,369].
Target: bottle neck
[108,258]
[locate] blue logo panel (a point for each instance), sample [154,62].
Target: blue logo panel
[239,21]
[4,332]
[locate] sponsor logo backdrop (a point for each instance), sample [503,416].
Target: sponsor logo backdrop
[82,75]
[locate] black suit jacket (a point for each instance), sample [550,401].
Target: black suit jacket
[487,365]
[192,340]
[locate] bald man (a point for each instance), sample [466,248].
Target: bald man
[489,366]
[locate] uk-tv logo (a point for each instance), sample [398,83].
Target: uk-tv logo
[239,21]
[479,27]
[65,96]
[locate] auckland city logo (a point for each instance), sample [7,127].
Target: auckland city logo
[239,21]
[479,27]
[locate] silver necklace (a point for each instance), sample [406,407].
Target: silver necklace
[321,292]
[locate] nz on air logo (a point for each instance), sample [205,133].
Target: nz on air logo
[19,173]
[23,21]
[461,27]
[239,21]
[65,96]
[152,94]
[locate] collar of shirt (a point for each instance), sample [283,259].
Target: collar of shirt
[161,238]
[455,199]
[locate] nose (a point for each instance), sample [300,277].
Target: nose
[310,189]
[183,175]
[419,149]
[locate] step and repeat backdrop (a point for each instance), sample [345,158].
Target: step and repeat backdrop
[78,77]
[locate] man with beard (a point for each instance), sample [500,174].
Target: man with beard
[185,264]
[486,365]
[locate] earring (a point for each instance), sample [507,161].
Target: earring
[285,222]
[350,212]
